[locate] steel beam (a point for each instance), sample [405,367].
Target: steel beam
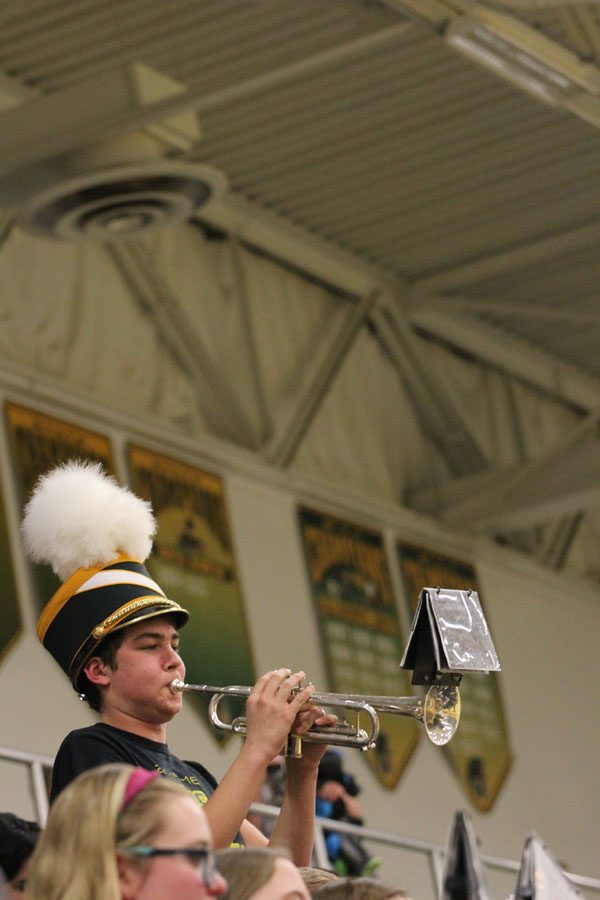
[180,336]
[508,260]
[555,548]
[7,221]
[316,384]
[563,482]
[432,402]
[508,353]
[509,310]
[248,343]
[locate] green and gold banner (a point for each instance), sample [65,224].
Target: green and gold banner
[359,626]
[479,753]
[10,618]
[38,443]
[193,562]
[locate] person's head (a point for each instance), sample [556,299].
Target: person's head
[352,888]
[135,673]
[106,838]
[261,873]
[18,838]
[96,536]
[331,768]
[314,878]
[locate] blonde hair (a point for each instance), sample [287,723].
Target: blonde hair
[350,887]
[314,877]
[75,856]
[246,871]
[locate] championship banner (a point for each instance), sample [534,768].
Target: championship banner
[359,626]
[193,562]
[38,443]
[10,620]
[479,753]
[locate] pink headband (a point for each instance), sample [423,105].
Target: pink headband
[138,779]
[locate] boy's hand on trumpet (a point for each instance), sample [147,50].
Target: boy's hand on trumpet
[271,708]
[309,717]
[277,705]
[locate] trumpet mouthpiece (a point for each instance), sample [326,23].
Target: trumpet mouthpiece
[177,686]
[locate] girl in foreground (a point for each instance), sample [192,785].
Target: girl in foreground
[123,833]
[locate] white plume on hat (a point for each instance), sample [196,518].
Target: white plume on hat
[79,517]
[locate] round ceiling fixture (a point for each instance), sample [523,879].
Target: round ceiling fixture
[121,201]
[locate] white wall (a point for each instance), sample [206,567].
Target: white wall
[546,630]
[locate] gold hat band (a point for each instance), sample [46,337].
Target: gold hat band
[112,623]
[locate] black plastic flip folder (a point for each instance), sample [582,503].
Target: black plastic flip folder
[449,637]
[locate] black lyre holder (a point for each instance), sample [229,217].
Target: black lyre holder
[449,637]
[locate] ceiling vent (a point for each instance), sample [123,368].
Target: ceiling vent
[121,201]
[125,182]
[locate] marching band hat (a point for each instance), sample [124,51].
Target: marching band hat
[96,536]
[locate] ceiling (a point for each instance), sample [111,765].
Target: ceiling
[362,147]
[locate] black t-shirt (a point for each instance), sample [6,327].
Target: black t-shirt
[87,748]
[98,744]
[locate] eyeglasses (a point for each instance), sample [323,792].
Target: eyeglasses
[202,856]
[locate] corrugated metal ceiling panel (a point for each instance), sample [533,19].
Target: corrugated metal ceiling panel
[400,151]
[50,45]
[550,304]
[412,157]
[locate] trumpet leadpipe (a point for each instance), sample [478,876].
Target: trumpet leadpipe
[232,690]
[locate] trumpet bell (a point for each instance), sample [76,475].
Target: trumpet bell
[441,713]
[438,710]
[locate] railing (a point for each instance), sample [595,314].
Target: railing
[36,764]
[434,853]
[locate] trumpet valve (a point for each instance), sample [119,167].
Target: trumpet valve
[293,746]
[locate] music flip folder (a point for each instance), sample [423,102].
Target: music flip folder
[448,638]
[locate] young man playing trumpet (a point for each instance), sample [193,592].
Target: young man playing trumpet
[115,634]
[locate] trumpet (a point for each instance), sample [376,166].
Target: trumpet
[438,711]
